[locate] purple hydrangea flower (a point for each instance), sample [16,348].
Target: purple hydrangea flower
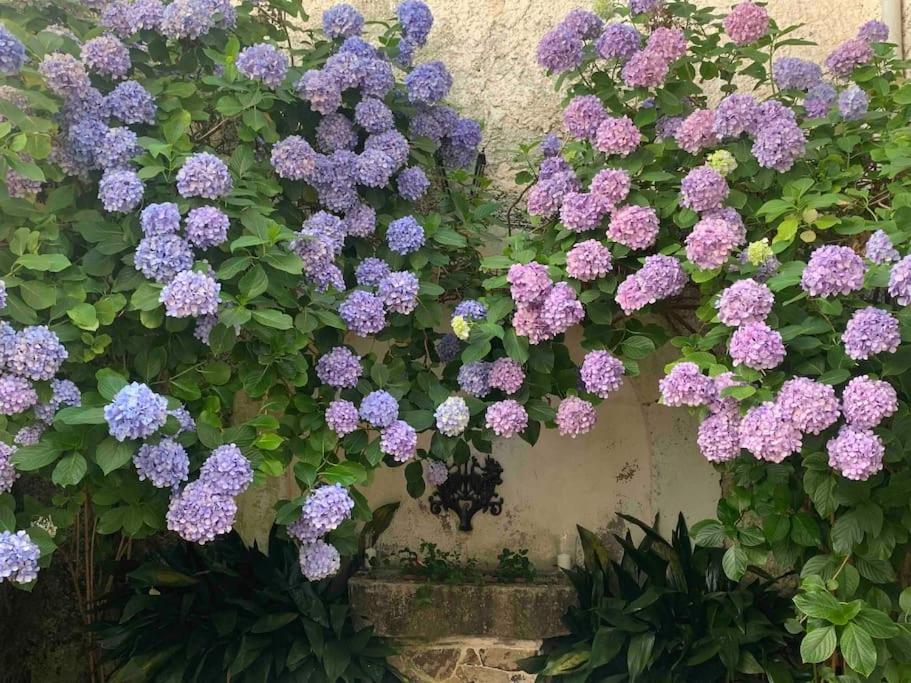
[373,115]
[374,168]
[416,20]
[506,418]
[610,185]
[617,135]
[16,395]
[370,271]
[20,187]
[447,347]
[560,50]
[379,408]
[719,436]
[363,313]
[412,183]
[8,474]
[342,417]
[165,464]
[659,278]
[757,346]
[106,56]
[339,368]
[575,417]
[879,248]
[582,211]
[35,354]
[452,416]
[855,453]
[779,145]
[227,471]
[360,220]
[3,295]
[127,17]
[601,373]
[474,379]
[793,73]
[30,434]
[644,6]
[870,331]
[262,62]
[436,472]
[324,510]
[378,78]
[873,31]
[900,281]
[207,227]
[703,189]
[135,412]
[669,43]
[848,56]
[342,21]
[319,560]
[399,292]
[645,69]
[618,41]
[588,260]
[294,159]
[160,219]
[768,433]
[561,309]
[399,440]
[710,243]
[131,103]
[583,115]
[550,145]
[866,402]
[470,309]
[199,513]
[634,226]
[428,83]
[162,256]
[64,75]
[697,131]
[745,301]
[585,24]
[507,375]
[405,235]
[853,103]
[185,421]
[685,385]
[18,557]
[811,406]
[833,270]
[335,132]
[192,19]
[12,53]
[120,190]
[819,100]
[746,23]
[736,114]
[529,282]
[204,175]
[191,294]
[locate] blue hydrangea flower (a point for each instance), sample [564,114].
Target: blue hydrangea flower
[117,149]
[18,557]
[262,62]
[370,271]
[37,354]
[207,227]
[136,412]
[470,309]
[204,175]
[428,83]
[227,471]
[412,183]
[405,235]
[342,21]
[12,53]
[162,256]
[191,294]
[416,20]
[379,408]
[164,464]
[319,560]
[120,190]
[131,103]
[199,513]
[399,292]
[160,219]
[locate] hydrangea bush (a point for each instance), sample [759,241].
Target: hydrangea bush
[227,245]
[710,185]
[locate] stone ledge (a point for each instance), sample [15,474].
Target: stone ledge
[413,610]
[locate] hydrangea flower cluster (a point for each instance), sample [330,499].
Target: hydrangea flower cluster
[506,418]
[659,278]
[575,417]
[339,368]
[601,373]
[871,330]
[745,301]
[452,416]
[543,309]
[135,412]
[685,385]
[833,270]
[18,557]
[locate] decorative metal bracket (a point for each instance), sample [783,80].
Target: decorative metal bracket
[470,488]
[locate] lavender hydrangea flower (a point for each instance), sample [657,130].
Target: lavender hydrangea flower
[581,212]
[294,159]
[64,75]
[319,560]
[160,219]
[185,421]
[342,21]
[634,226]
[412,183]
[645,69]
[36,353]
[870,331]
[710,243]
[204,175]
[470,309]
[342,417]
[575,417]
[199,513]
[719,436]
[399,440]
[506,375]
[391,143]
[550,145]
[127,17]
[617,135]
[12,53]
[585,24]
[561,309]
[8,474]
[452,416]
[131,103]
[866,402]
[757,346]
[207,227]
[560,50]
[379,408]
[601,373]
[879,248]
[165,464]
[685,385]
[659,278]
[855,453]
[696,131]
[611,185]
[644,6]
[3,295]
[16,395]
[18,557]
[833,270]
[474,379]
[120,190]
[227,471]
[669,43]
[618,41]
[262,62]
[339,368]
[436,473]
[779,145]
[819,100]
[378,78]
[873,31]
[416,20]
[405,235]
[373,115]
[370,271]
[848,56]
[335,132]
[363,313]
[746,23]
[399,292]
[106,56]
[900,281]
[853,103]
[506,418]
[703,189]
[793,73]
[188,19]
[20,187]
[583,115]
[529,282]
[191,294]
[811,406]
[30,434]
[135,412]
[588,260]
[745,301]
[768,433]
[360,220]
[428,83]
[162,256]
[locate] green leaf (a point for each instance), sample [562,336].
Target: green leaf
[639,654]
[253,283]
[876,623]
[31,458]
[637,347]
[571,661]
[70,470]
[607,644]
[734,563]
[81,416]
[817,604]
[516,347]
[709,533]
[112,454]
[272,622]
[818,645]
[346,473]
[272,318]
[858,649]
[38,295]
[44,262]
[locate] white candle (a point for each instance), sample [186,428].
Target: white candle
[564,561]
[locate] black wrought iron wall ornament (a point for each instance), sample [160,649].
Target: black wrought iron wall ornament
[470,488]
